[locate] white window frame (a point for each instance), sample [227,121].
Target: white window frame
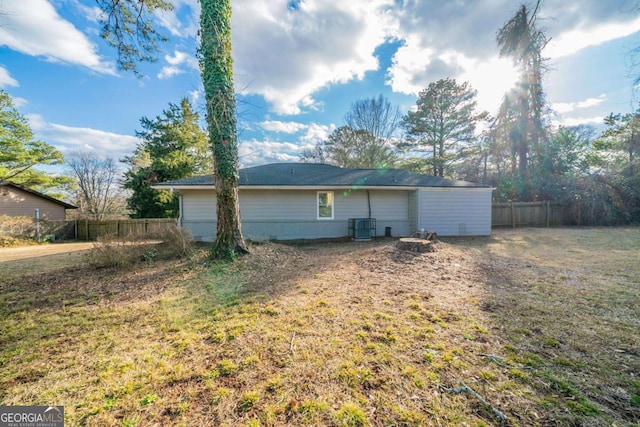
[333,204]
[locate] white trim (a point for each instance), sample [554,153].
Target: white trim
[333,205]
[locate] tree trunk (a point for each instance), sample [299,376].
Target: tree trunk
[216,64]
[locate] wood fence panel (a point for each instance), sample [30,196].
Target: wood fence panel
[120,228]
[525,214]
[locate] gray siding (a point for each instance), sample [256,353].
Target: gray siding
[292,214]
[413,211]
[199,214]
[455,211]
[16,202]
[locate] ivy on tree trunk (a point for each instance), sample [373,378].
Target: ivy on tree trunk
[216,64]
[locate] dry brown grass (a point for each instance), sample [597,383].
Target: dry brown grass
[339,334]
[25,260]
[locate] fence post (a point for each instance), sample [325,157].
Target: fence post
[579,213]
[513,215]
[548,212]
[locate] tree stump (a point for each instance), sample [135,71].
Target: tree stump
[413,244]
[428,235]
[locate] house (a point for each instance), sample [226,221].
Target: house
[17,200]
[287,201]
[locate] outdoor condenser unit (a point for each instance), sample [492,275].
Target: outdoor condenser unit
[362,228]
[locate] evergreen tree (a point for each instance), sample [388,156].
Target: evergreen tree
[443,125]
[20,152]
[172,146]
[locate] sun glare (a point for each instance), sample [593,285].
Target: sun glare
[492,79]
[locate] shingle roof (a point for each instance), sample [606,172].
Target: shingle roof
[314,175]
[44,196]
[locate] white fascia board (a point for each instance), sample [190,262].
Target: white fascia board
[455,188]
[321,187]
[183,187]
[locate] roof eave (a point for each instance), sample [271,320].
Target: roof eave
[315,187]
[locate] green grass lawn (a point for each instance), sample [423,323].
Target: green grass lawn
[543,324]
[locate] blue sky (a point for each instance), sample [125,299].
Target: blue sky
[300,64]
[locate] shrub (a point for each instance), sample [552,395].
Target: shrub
[17,226]
[109,251]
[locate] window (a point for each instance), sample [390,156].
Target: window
[325,204]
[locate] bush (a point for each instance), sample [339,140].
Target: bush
[109,251]
[17,226]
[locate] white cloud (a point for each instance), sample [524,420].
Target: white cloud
[36,121]
[286,55]
[575,121]
[179,62]
[19,102]
[574,40]
[34,28]
[566,107]
[183,20]
[91,13]
[317,133]
[195,96]
[458,40]
[254,152]
[169,71]
[69,139]
[283,127]
[6,79]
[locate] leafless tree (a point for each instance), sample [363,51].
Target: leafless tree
[376,116]
[99,194]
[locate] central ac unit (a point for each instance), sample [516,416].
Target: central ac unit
[362,228]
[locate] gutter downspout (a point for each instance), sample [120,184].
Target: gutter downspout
[180,209]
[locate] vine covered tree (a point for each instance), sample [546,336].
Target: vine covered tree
[521,40]
[216,65]
[137,42]
[443,124]
[172,146]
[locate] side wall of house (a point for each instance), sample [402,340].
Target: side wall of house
[292,214]
[455,211]
[414,200]
[15,202]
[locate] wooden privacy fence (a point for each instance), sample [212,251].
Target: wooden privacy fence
[118,228]
[526,214]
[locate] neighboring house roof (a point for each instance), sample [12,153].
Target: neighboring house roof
[36,193]
[303,175]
